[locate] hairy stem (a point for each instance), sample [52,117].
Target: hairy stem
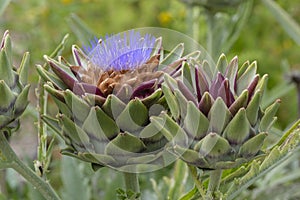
[15,163]
[214,181]
[131,182]
[193,172]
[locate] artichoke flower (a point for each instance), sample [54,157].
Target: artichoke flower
[106,99]
[217,119]
[13,86]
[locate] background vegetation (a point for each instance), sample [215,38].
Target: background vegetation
[38,26]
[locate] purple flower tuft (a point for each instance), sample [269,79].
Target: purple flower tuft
[118,52]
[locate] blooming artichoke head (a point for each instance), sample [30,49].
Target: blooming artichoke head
[13,86]
[107,97]
[218,113]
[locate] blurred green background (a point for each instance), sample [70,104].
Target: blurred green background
[38,26]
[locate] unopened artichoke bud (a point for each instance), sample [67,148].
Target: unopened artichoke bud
[13,86]
[107,97]
[220,112]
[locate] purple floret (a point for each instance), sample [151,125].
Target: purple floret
[126,51]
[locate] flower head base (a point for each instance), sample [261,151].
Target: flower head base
[13,86]
[219,110]
[106,101]
[121,52]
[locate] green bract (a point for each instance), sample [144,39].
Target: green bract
[13,86]
[218,113]
[109,124]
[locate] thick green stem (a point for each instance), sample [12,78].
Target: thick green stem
[131,182]
[193,172]
[15,163]
[42,136]
[214,181]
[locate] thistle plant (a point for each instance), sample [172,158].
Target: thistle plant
[13,86]
[107,97]
[220,121]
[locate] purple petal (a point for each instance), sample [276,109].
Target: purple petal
[92,89]
[213,90]
[231,73]
[186,92]
[225,93]
[252,86]
[201,82]
[206,103]
[78,89]
[3,39]
[64,76]
[144,89]
[76,56]
[174,67]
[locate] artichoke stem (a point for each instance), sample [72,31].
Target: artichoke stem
[132,182]
[15,163]
[214,181]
